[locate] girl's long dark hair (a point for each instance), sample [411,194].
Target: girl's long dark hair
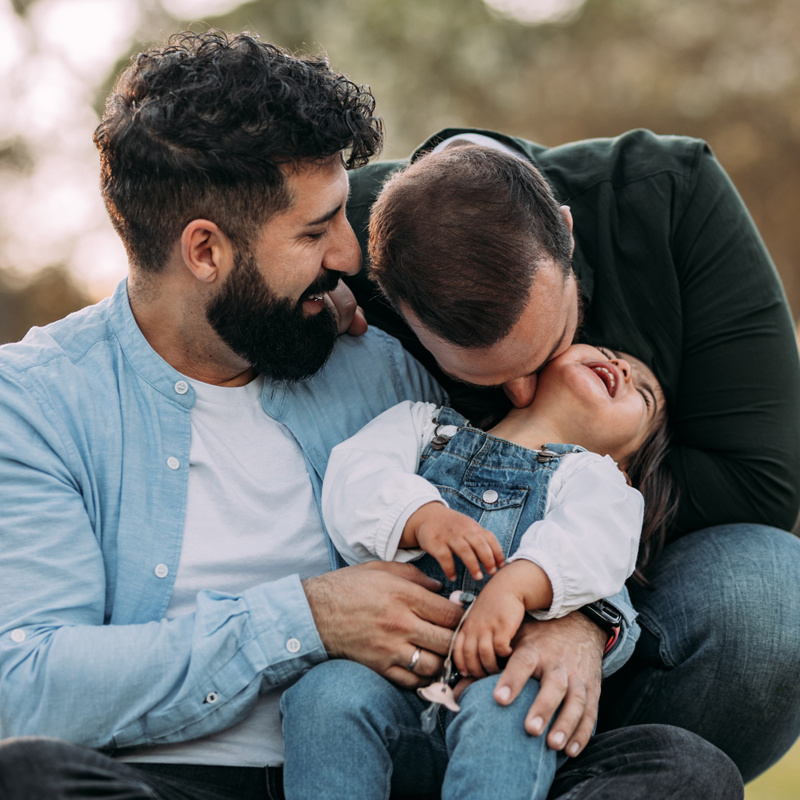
[648,472]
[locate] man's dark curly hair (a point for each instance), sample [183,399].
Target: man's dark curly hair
[200,128]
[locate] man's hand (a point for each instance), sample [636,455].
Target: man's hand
[566,657]
[378,614]
[443,533]
[349,315]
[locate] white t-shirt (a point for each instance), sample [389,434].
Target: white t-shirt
[587,541]
[251,518]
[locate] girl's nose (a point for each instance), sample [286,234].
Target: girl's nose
[624,367]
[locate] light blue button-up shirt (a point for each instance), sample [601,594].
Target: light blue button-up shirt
[94,457]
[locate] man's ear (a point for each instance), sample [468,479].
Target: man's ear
[206,251]
[567,214]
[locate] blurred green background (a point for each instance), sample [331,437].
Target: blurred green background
[727,71]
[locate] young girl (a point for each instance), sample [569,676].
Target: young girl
[419,482]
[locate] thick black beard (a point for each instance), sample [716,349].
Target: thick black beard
[269,332]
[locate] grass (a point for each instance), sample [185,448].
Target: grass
[782,782]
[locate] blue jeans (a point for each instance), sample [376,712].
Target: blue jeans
[718,655]
[348,732]
[365,743]
[719,652]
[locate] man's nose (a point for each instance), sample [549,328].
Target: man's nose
[520,391]
[344,254]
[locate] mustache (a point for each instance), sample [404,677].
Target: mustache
[326,282]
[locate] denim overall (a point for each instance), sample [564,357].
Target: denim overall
[501,485]
[364,721]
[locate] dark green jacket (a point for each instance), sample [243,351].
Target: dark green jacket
[675,272]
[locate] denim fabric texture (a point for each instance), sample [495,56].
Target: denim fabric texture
[482,750]
[719,652]
[503,486]
[499,484]
[343,713]
[647,762]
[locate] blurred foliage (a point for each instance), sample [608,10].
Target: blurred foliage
[727,71]
[49,295]
[782,782]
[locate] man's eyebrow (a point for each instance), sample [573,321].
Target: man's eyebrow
[471,385]
[530,374]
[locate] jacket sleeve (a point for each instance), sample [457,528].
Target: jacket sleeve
[738,427]
[371,487]
[64,671]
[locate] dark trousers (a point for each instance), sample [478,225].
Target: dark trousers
[639,763]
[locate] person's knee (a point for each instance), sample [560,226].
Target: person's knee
[644,761]
[478,700]
[29,752]
[698,768]
[33,767]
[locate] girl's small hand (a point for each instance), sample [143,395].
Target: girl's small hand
[443,533]
[498,614]
[488,630]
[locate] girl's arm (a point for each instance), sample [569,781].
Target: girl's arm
[588,540]
[371,487]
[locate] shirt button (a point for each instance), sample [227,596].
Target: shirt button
[173,462]
[18,635]
[212,697]
[162,570]
[181,387]
[490,496]
[293,645]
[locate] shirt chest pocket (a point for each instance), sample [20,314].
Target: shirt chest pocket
[496,508]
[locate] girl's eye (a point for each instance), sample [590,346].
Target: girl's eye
[609,354]
[645,396]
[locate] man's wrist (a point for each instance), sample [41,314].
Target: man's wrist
[607,618]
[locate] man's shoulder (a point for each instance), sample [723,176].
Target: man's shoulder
[372,372]
[366,182]
[375,356]
[64,343]
[626,159]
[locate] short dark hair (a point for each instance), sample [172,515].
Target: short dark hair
[458,237]
[200,128]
